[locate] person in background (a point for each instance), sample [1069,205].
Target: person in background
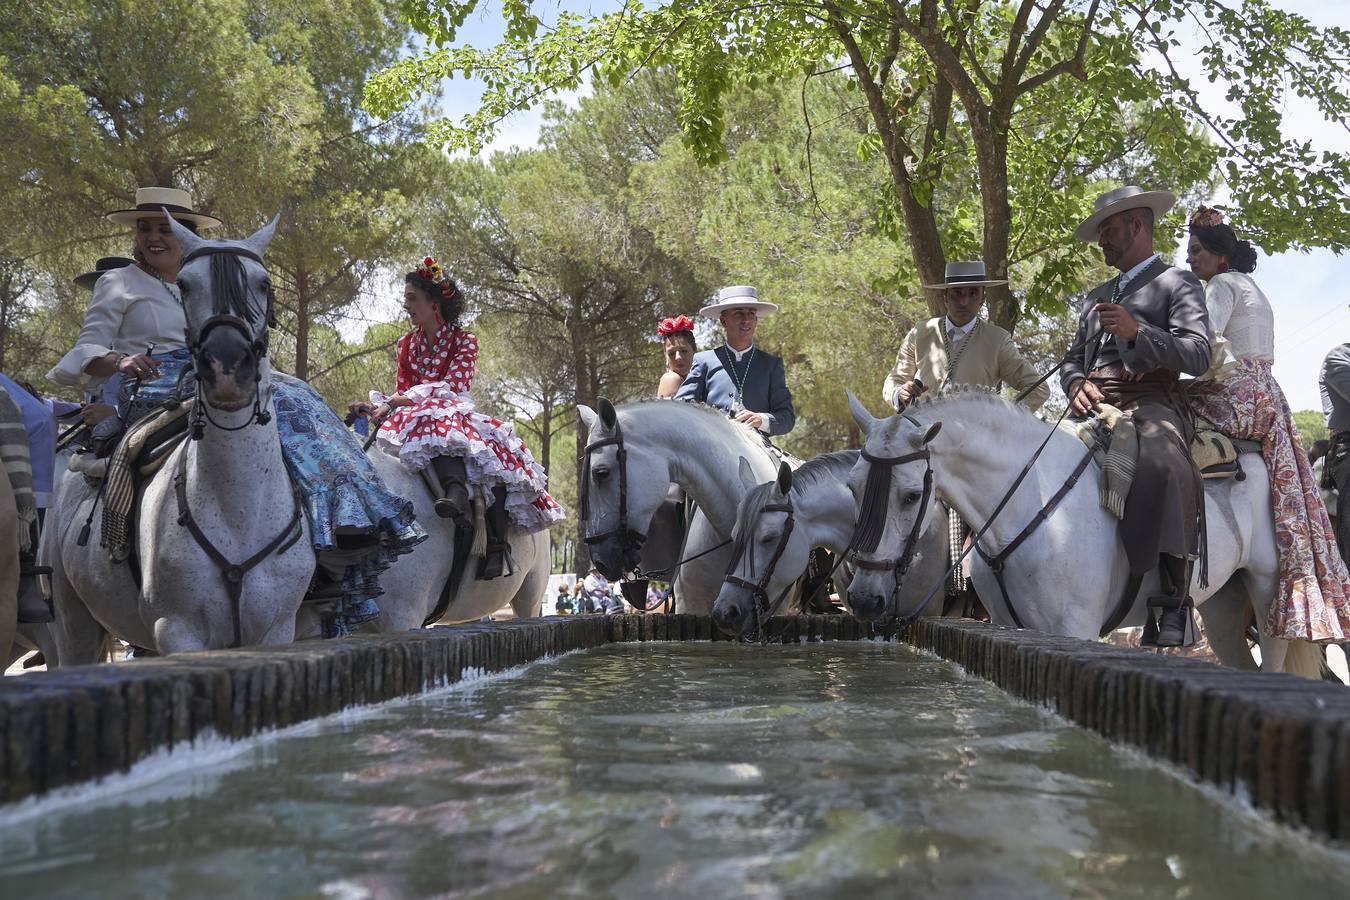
[562,604]
[594,589]
[677,340]
[745,382]
[1318,457]
[1239,395]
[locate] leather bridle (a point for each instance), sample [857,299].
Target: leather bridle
[760,589]
[877,491]
[258,345]
[631,538]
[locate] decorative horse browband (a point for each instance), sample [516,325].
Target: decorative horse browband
[875,502]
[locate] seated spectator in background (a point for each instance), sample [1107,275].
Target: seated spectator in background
[594,589]
[562,605]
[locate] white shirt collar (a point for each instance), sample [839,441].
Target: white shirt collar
[1133,273]
[739,354]
[956,332]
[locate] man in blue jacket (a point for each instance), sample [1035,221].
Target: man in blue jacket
[742,380]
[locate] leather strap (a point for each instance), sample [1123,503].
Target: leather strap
[232,573]
[760,589]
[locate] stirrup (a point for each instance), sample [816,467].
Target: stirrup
[496,562]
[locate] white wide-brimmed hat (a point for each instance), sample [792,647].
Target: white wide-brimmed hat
[964,274]
[1119,200]
[104,265]
[151,203]
[737,296]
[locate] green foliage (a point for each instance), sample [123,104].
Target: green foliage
[1312,426]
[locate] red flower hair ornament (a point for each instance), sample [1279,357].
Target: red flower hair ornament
[432,271]
[667,327]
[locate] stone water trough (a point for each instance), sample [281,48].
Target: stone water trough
[1281,742]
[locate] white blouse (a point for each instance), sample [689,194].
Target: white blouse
[130,310]
[1241,319]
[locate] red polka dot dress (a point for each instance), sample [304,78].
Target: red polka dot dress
[437,376]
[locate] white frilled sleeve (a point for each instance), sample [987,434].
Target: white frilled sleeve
[102,322]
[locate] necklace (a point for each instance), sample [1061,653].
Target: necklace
[739,380]
[954,358]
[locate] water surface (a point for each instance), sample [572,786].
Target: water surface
[678,770]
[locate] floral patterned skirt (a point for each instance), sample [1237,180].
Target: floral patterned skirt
[444,422]
[1313,603]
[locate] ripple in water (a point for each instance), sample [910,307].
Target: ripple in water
[679,770]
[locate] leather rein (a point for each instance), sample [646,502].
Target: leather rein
[232,573]
[760,589]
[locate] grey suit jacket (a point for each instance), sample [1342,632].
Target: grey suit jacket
[764,391]
[1174,333]
[1335,385]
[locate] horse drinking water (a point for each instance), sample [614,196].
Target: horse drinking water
[1069,571]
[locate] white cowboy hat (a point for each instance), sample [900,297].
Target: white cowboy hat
[1119,200]
[151,203]
[104,265]
[737,296]
[964,274]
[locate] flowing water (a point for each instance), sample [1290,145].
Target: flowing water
[677,770]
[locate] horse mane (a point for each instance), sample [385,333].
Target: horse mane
[825,466]
[229,288]
[745,432]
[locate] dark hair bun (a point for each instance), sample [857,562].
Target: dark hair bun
[1243,258]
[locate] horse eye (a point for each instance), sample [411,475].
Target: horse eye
[266,284]
[769,539]
[183,288]
[911,498]
[600,473]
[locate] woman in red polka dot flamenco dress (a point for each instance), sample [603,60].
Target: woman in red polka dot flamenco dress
[431,425]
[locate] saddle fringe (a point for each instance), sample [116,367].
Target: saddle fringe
[479,547]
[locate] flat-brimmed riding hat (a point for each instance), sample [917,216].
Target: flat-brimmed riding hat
[1119,200]
[964,274]
[106,264]
[151,203]
[737,296]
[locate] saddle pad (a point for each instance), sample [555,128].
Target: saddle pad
[119,493]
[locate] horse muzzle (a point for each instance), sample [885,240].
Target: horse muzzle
[227,365]
[734,611]
[867,605]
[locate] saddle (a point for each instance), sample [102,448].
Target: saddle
[138,456]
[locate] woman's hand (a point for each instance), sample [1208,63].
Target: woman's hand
[93,413]
[398,400]
[379,414]
[360,408]
[138,366]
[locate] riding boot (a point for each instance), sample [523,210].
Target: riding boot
[1169,619]
[450,487]
[497,561]
[35,603]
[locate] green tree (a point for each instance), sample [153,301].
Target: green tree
[1312,426]
[1047,99]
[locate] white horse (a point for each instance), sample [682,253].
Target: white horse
[236,491]
[1068,575]
[665,442]
[822,509]
[412,585]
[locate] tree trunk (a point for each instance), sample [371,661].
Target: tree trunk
[991,150]
[302,301]
[584,389]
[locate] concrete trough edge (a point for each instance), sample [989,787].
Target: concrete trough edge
[1280,741]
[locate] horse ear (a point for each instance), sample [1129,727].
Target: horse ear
[864,418]
[747,474]
[258,240]
[607,414]
[186,239]
[587,416]
[784,478]
[932,432]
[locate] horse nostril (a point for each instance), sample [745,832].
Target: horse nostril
[733,613]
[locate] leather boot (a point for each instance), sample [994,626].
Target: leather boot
[497,561]
[451,489]
[1174,625]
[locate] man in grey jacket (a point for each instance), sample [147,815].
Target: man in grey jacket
[1136,334]
[739,378]
[1335,385]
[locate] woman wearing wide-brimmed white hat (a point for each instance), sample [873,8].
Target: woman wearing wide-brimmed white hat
[747,383]
[136,307]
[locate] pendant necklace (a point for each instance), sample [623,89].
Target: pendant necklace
[739,382]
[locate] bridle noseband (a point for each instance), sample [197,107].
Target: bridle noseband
[258,345]
[877,491]
[760,589]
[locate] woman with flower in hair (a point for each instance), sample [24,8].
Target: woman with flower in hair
[1241,397]
[677,339]
[430,423]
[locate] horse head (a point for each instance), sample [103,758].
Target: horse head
[769,553]
[622,483]
[893,484]
[229,304]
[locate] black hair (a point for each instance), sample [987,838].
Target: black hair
[687,335]
[452,306]
[1221,240]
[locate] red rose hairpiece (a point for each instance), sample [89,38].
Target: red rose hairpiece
[1204,217]
[667,327]
[432,271]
